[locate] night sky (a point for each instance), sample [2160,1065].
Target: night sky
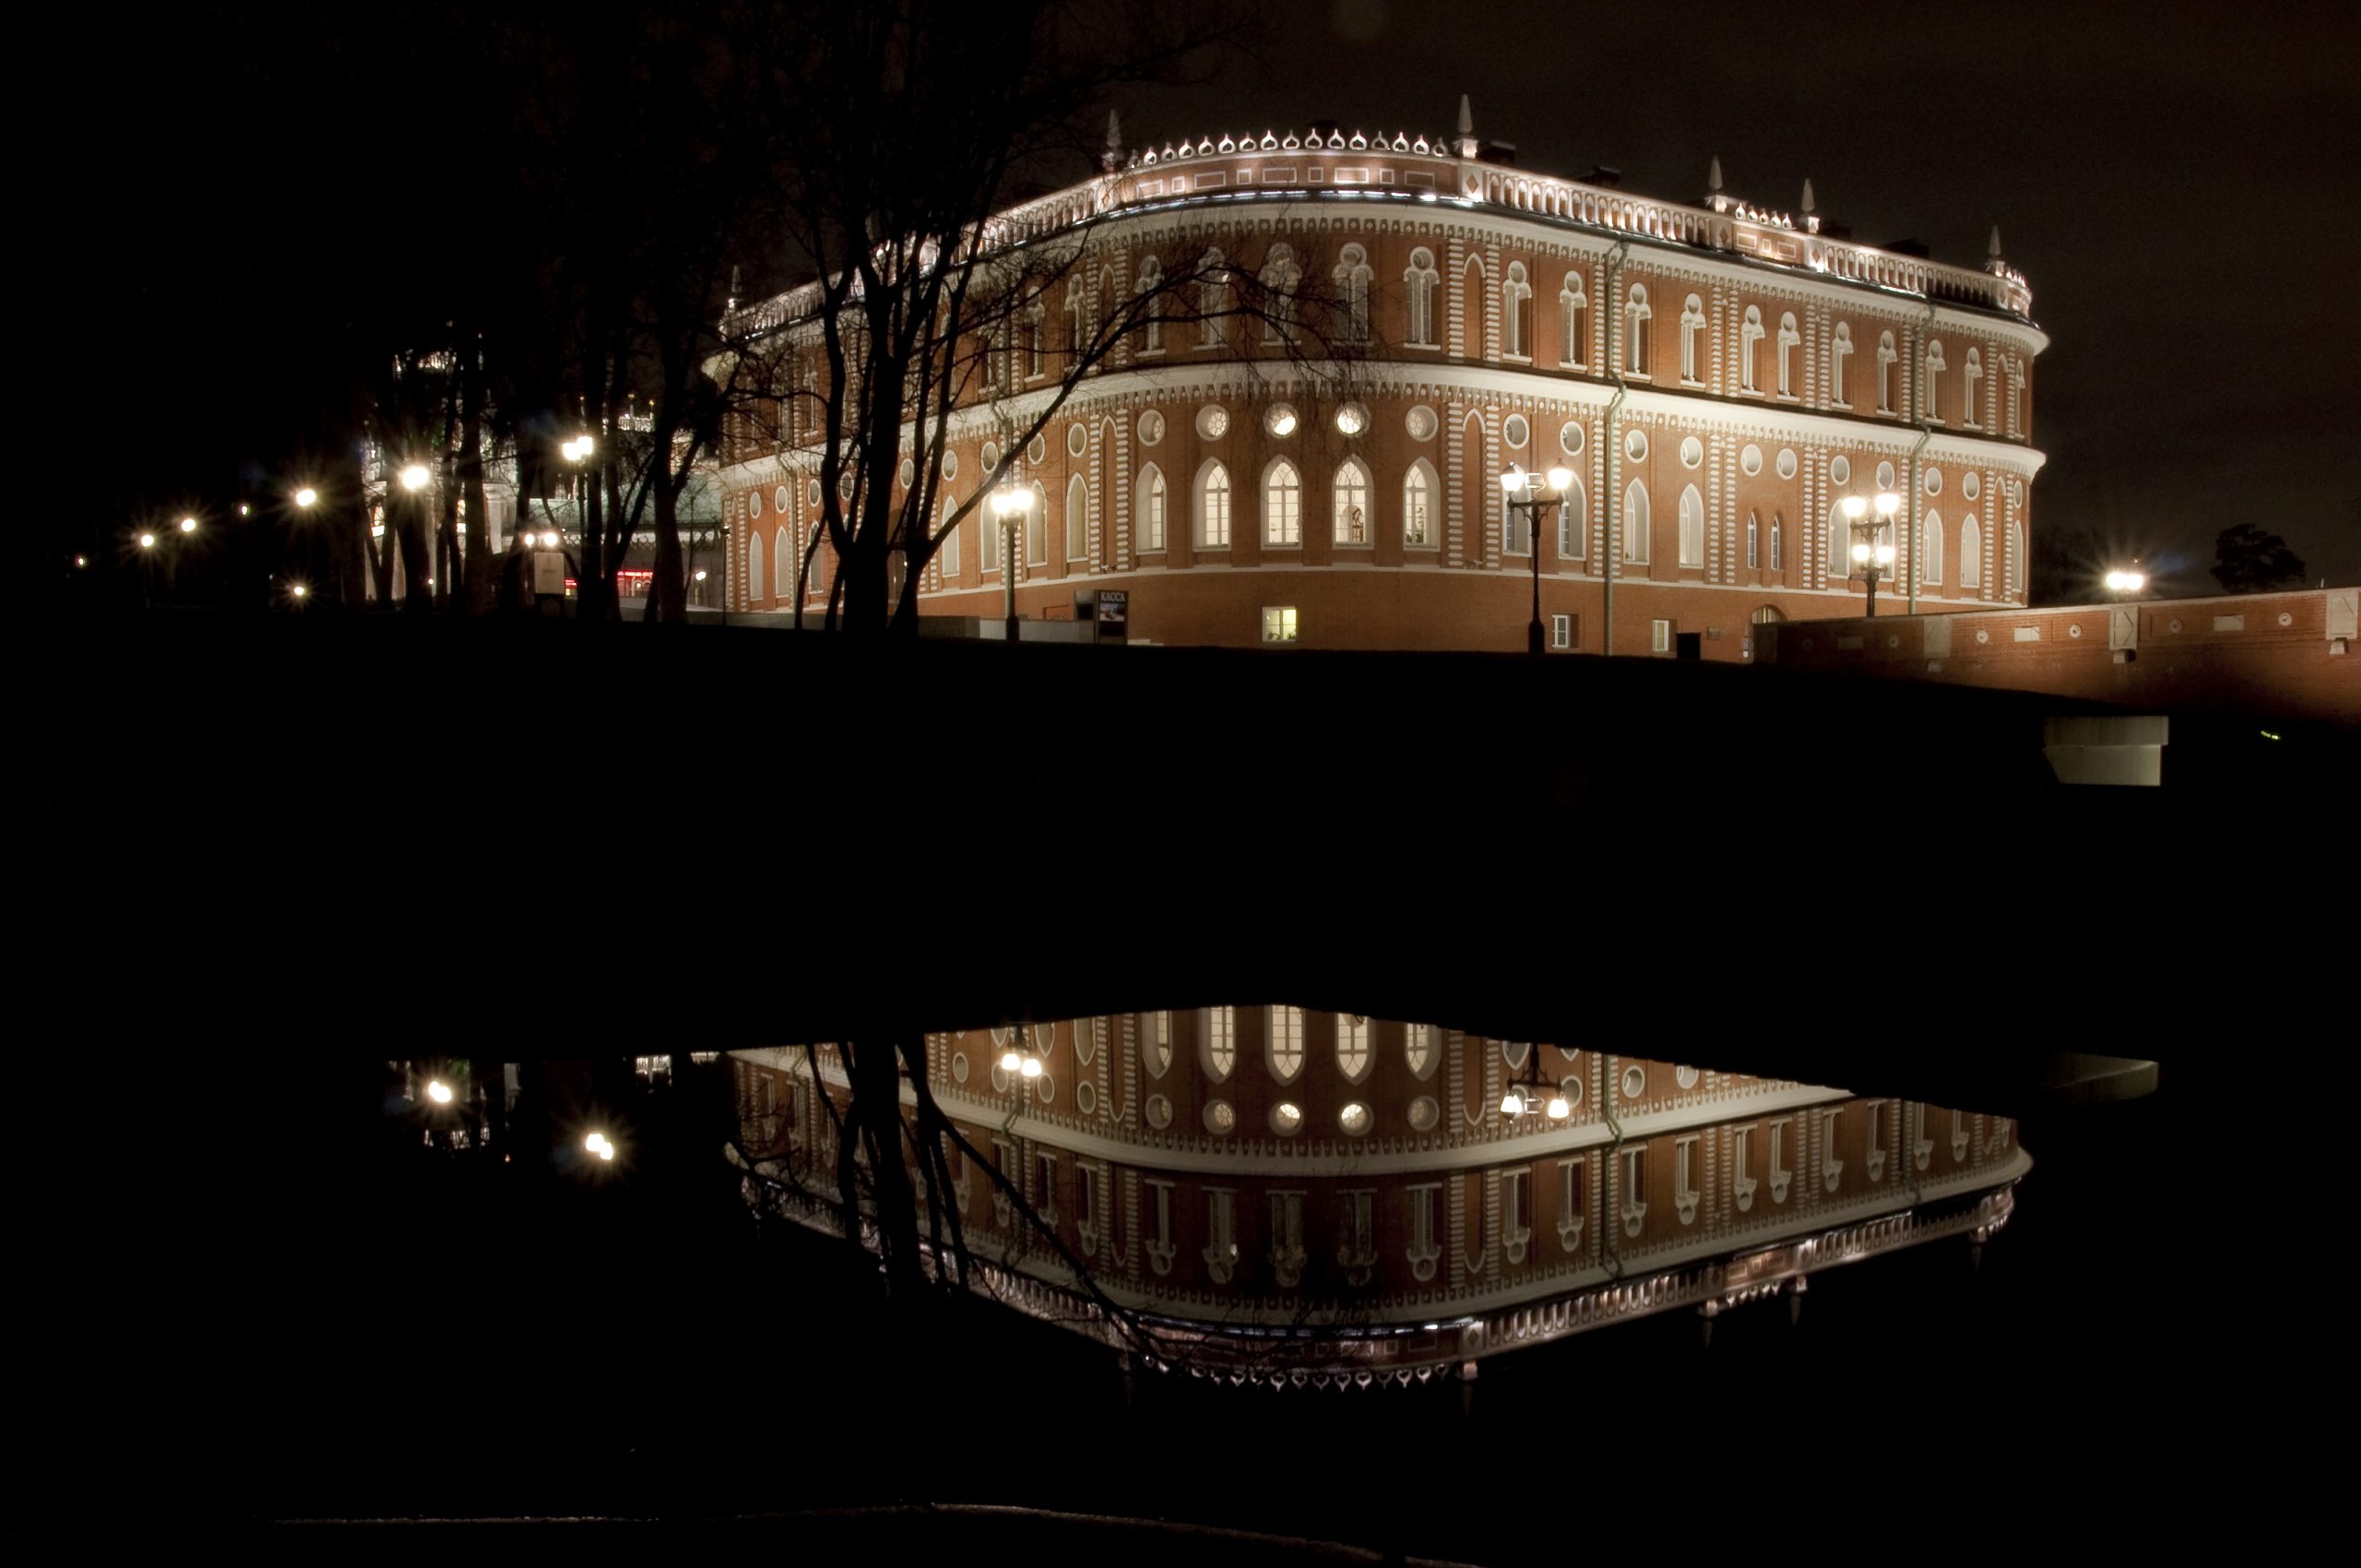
[2172,179]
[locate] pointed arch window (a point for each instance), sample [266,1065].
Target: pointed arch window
[1419,280]
[1037,343]
[1283,1043]
[1886,358]
[1788,339]
[1778,545]
[1355,1047]
[1282,504]
[1970,374]
[1840,349]
[2014,368]
[1078,316]
[1574,523]
[1352,275]
[782,566]
[1149,508]
[754,568]
[987,551]
[1218,1043]
[1692,329]
[1692,528]
[1279,278]
[1037,528]
[1935,368]
[1213,298]
[1349,503]
[1930,549]
[947,529]
[1077,520]
[1636,524]
[1750,333]
[1840,543]
[2016,560]
[1635,357]
[1213,505]
[1419,488]
[1150,290]
[1516,314]
[1753,542]
[1573,313]
[1420,1050]
[1971,553]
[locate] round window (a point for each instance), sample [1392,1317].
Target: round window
[1571,438]
[1685,1077]
[1085,1099]
[1635,1082]
[1425,1113]
[1159,1112]
[1840,470]
[910,474]
[1213,421]
[1515,432]
[753,502]
[782,500]
[1420,423]
[950,463]
[1786,462]
[1571,1088]
[1038,451]
[1351,418]
[1750,461]
[811,493]
[1692,452]
[958,1066]
[1636,445]
[1279,419]
[1353,1119]
[1077,440]
[1286,1117]
[1219,1118]
[1971,484]
[1151,428]
[1045,1089]
[1934,482]
[1885,476]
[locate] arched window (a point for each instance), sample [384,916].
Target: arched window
[1935,368]
[1419,280]
[1573,310]
[809,563]
[1213,298]
[1636,524]
[1354,1054]
[1149,509]
[1693,328]
[1886,357]
[2016,560]
[1692,528]
[1150,290]
[1969,376]
[1078,316]
[1283,1043]
[1635,358]
[1516,314]
[1753,539]
[1077,520]
[1839,542]
[782,566]
[1037,343]
[1419,488]
[1778,542]
[1420,1050]
[1353,277]
[1750,333]
[1930,549]
[1218,1043]
[1574,523]
[1156,1042]
[988,556]
[1349,503]
[754,568]
[1788,339]
[1971,553]
[1037,527]
[1282,504]
[1213,505]
[946,555]
[1516,527]
[1279,276]
[1840,349]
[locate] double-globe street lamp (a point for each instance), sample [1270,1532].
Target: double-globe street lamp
[2126,581]
[1526,495]
[1873,542]
[1012,505]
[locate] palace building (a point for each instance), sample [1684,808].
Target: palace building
[1719,377]
[1285,1194]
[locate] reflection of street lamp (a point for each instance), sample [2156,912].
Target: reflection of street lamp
[1872,552]
[1536,504]
[1010,504]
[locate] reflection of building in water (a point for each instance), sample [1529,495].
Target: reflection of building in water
[1282,1190]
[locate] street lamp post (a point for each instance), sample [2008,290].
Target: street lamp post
[1872,556]
[1012,503]
[1526,495]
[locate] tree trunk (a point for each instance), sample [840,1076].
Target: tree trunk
[418,594]
[670,593]
[877,1108]
[480,567]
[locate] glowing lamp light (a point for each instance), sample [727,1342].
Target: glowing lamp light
[1562,478]
[1032,1068]
[307,496]
[600,1144]
[81,560]
[549,540]
[1010,1061]
[414,476]
[438,1091]
[1888,502]
[700,573]
[1512,481]
[1558,1109]
[1854,508]
[188,525]
[1861,553]
[299,590]
[2127,582]
[1886,554]
[244,510]
[1513,1103]
[147,542]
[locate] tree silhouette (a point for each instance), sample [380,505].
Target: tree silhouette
[2247,560]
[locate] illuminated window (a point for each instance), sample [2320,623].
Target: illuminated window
[1971,553]
[1151,509]
[1574,523]
[1753,533]
[1349,503]
[1659,636]
[1156,1042]
[1839,542]
[1420,1048]
[1636,524]
[988,556]
[1218,1043]
[1213,505]
[1279,624]
[1419,490]
[1282,504]
[1037,528]
[1561,631]
[1692,528]
[1930,549]
[1352,1052]
[1283,1045]
[1077,520]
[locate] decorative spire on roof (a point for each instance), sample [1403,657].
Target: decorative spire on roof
[1467,139]
[1112,159]
[1809,203]
[1992,262]
[1714,197]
